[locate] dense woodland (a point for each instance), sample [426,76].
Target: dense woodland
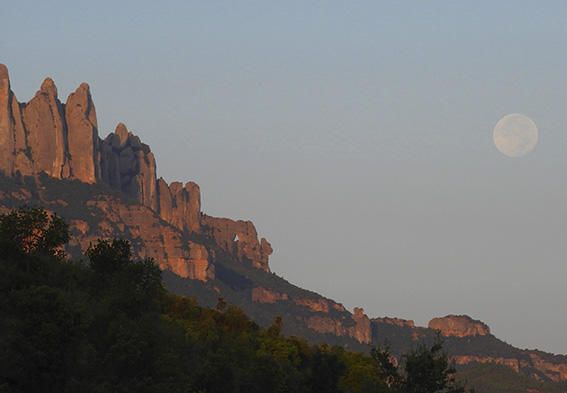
[106,324]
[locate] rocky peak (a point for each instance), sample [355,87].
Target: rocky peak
[13,141]
[459,326]
[83,140]
[48,87]
[240,239]
[44,122]
[62,141]
[129,166]
[6,122]
[395,321]
[121,133]
[363,328]
[3,72]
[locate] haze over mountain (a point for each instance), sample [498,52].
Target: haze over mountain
[367,125]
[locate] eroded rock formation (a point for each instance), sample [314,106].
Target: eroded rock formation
[82,136]
[314,304]
[128,165]
[45,136]
[361,330]
[395,321]
[240,238]
[265,295]
[459,326]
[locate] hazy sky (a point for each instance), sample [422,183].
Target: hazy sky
[357,135]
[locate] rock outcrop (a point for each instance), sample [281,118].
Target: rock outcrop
[45,127]
[82,136]
[45,136]
[13,142]
[512,363]
[395,321]
[361,330]
[180,205]
[196,267]
[129,166]
[459,326]
[265,295]
[314,304]
[239,238]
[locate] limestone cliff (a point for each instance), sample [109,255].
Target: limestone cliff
[459,326]
[45,136]
[52,155]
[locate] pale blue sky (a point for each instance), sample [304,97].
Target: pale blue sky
[356,135]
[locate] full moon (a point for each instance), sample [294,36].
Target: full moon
[515,135]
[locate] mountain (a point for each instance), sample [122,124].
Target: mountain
[53,156]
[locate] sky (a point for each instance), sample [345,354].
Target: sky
[356,135]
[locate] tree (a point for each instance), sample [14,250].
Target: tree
[33,231]
[109,256]
[426,369]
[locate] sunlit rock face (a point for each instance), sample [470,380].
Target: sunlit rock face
[361,329]
[314,304]
[45,127]
[395,321]
[46,136]
[82,136]
[267,296]
[239,238]
[459,326]
[13,143]
[61,141]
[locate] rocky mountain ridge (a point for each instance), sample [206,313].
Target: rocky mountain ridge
[48,145]
[61,140]
[52,156]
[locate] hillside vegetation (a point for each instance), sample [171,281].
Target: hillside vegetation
[106,324]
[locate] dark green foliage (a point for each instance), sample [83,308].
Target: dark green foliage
[32,231]
[425,369]
[109,326]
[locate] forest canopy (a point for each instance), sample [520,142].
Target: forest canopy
[106,324]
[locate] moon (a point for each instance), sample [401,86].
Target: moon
[515,135]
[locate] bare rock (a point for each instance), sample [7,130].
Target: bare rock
[165,202]
[362,330]
[62,141]
[512,363]
[197,266]
[267,296]
[7,143]
[129,166]
[121,134]
[240,239]
[83,140]
[459,326]
[314,304]
[44,121]
[193,207]
[180,205]
[408,323]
